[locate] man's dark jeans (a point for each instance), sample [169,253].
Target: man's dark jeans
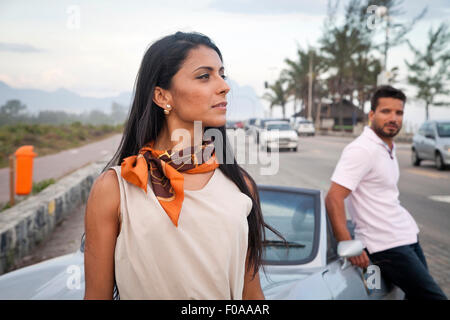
[407,268]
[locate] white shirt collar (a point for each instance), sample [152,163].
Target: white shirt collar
[369,133]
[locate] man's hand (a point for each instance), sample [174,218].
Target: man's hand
[361,261]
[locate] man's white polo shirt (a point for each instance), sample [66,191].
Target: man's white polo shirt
[370,170]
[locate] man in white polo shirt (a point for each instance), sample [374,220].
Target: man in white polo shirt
[366,177]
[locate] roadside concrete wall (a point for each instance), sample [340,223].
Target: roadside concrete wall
[401,137]
[31,221]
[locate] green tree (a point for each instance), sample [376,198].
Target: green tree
[12,111]
[278,95]
[297,74]
[97,117]
[118,113]
[366,68]
[341,46]
[13,108]
[54,117]
[352,49]
[394,32]
[429,72]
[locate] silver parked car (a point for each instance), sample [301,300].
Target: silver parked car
[432,142]
[311,266]
[303,127]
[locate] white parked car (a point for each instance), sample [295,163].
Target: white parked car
[311,265]
[278,135]
[304,127]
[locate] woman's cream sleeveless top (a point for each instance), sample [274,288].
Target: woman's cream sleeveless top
[202,258]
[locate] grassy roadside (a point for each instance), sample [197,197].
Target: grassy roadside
[36,188]
[49,139]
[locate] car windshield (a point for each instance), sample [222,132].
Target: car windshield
[305,122]
[443,129]
[293,215]
[279,126]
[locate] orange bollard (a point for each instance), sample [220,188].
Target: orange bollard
[24,169]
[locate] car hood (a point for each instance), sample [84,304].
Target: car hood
[305,285]
[56,278]
[282,134]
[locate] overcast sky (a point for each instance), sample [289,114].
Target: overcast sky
[94,48]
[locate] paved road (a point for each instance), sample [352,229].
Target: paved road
[312,167]
[313,164]
[59,164]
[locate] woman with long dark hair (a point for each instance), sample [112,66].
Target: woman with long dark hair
[161,222]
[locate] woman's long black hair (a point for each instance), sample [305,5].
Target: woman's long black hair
[161,62]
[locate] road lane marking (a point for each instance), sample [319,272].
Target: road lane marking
[440,198]
[429,174]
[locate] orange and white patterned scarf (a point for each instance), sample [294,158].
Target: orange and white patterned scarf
[165,169]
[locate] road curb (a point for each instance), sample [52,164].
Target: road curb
[400,138]
[31,221]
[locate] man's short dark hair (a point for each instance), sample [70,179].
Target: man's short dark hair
[386,92]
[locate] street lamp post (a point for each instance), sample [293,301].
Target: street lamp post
[385,76]
[383,13]
[310,80]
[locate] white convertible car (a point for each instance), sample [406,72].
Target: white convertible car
[311,266]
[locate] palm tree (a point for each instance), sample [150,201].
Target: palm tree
[278,95]
[347,52]
[365,71]
[297,76]
[340,46]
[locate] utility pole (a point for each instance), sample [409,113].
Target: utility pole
[310,85]
[12,186]
[386,44]
[385,76]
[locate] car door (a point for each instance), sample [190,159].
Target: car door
[429,142]
[349,282]
[344,282]
[418,140]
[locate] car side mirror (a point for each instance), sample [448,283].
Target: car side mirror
[429,136]
[83,239]
[348,249]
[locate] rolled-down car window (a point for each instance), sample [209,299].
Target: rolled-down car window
[294,216]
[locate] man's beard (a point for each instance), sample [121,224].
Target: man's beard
[379,130]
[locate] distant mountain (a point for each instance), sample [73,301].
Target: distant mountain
[61,99]
[243,102]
